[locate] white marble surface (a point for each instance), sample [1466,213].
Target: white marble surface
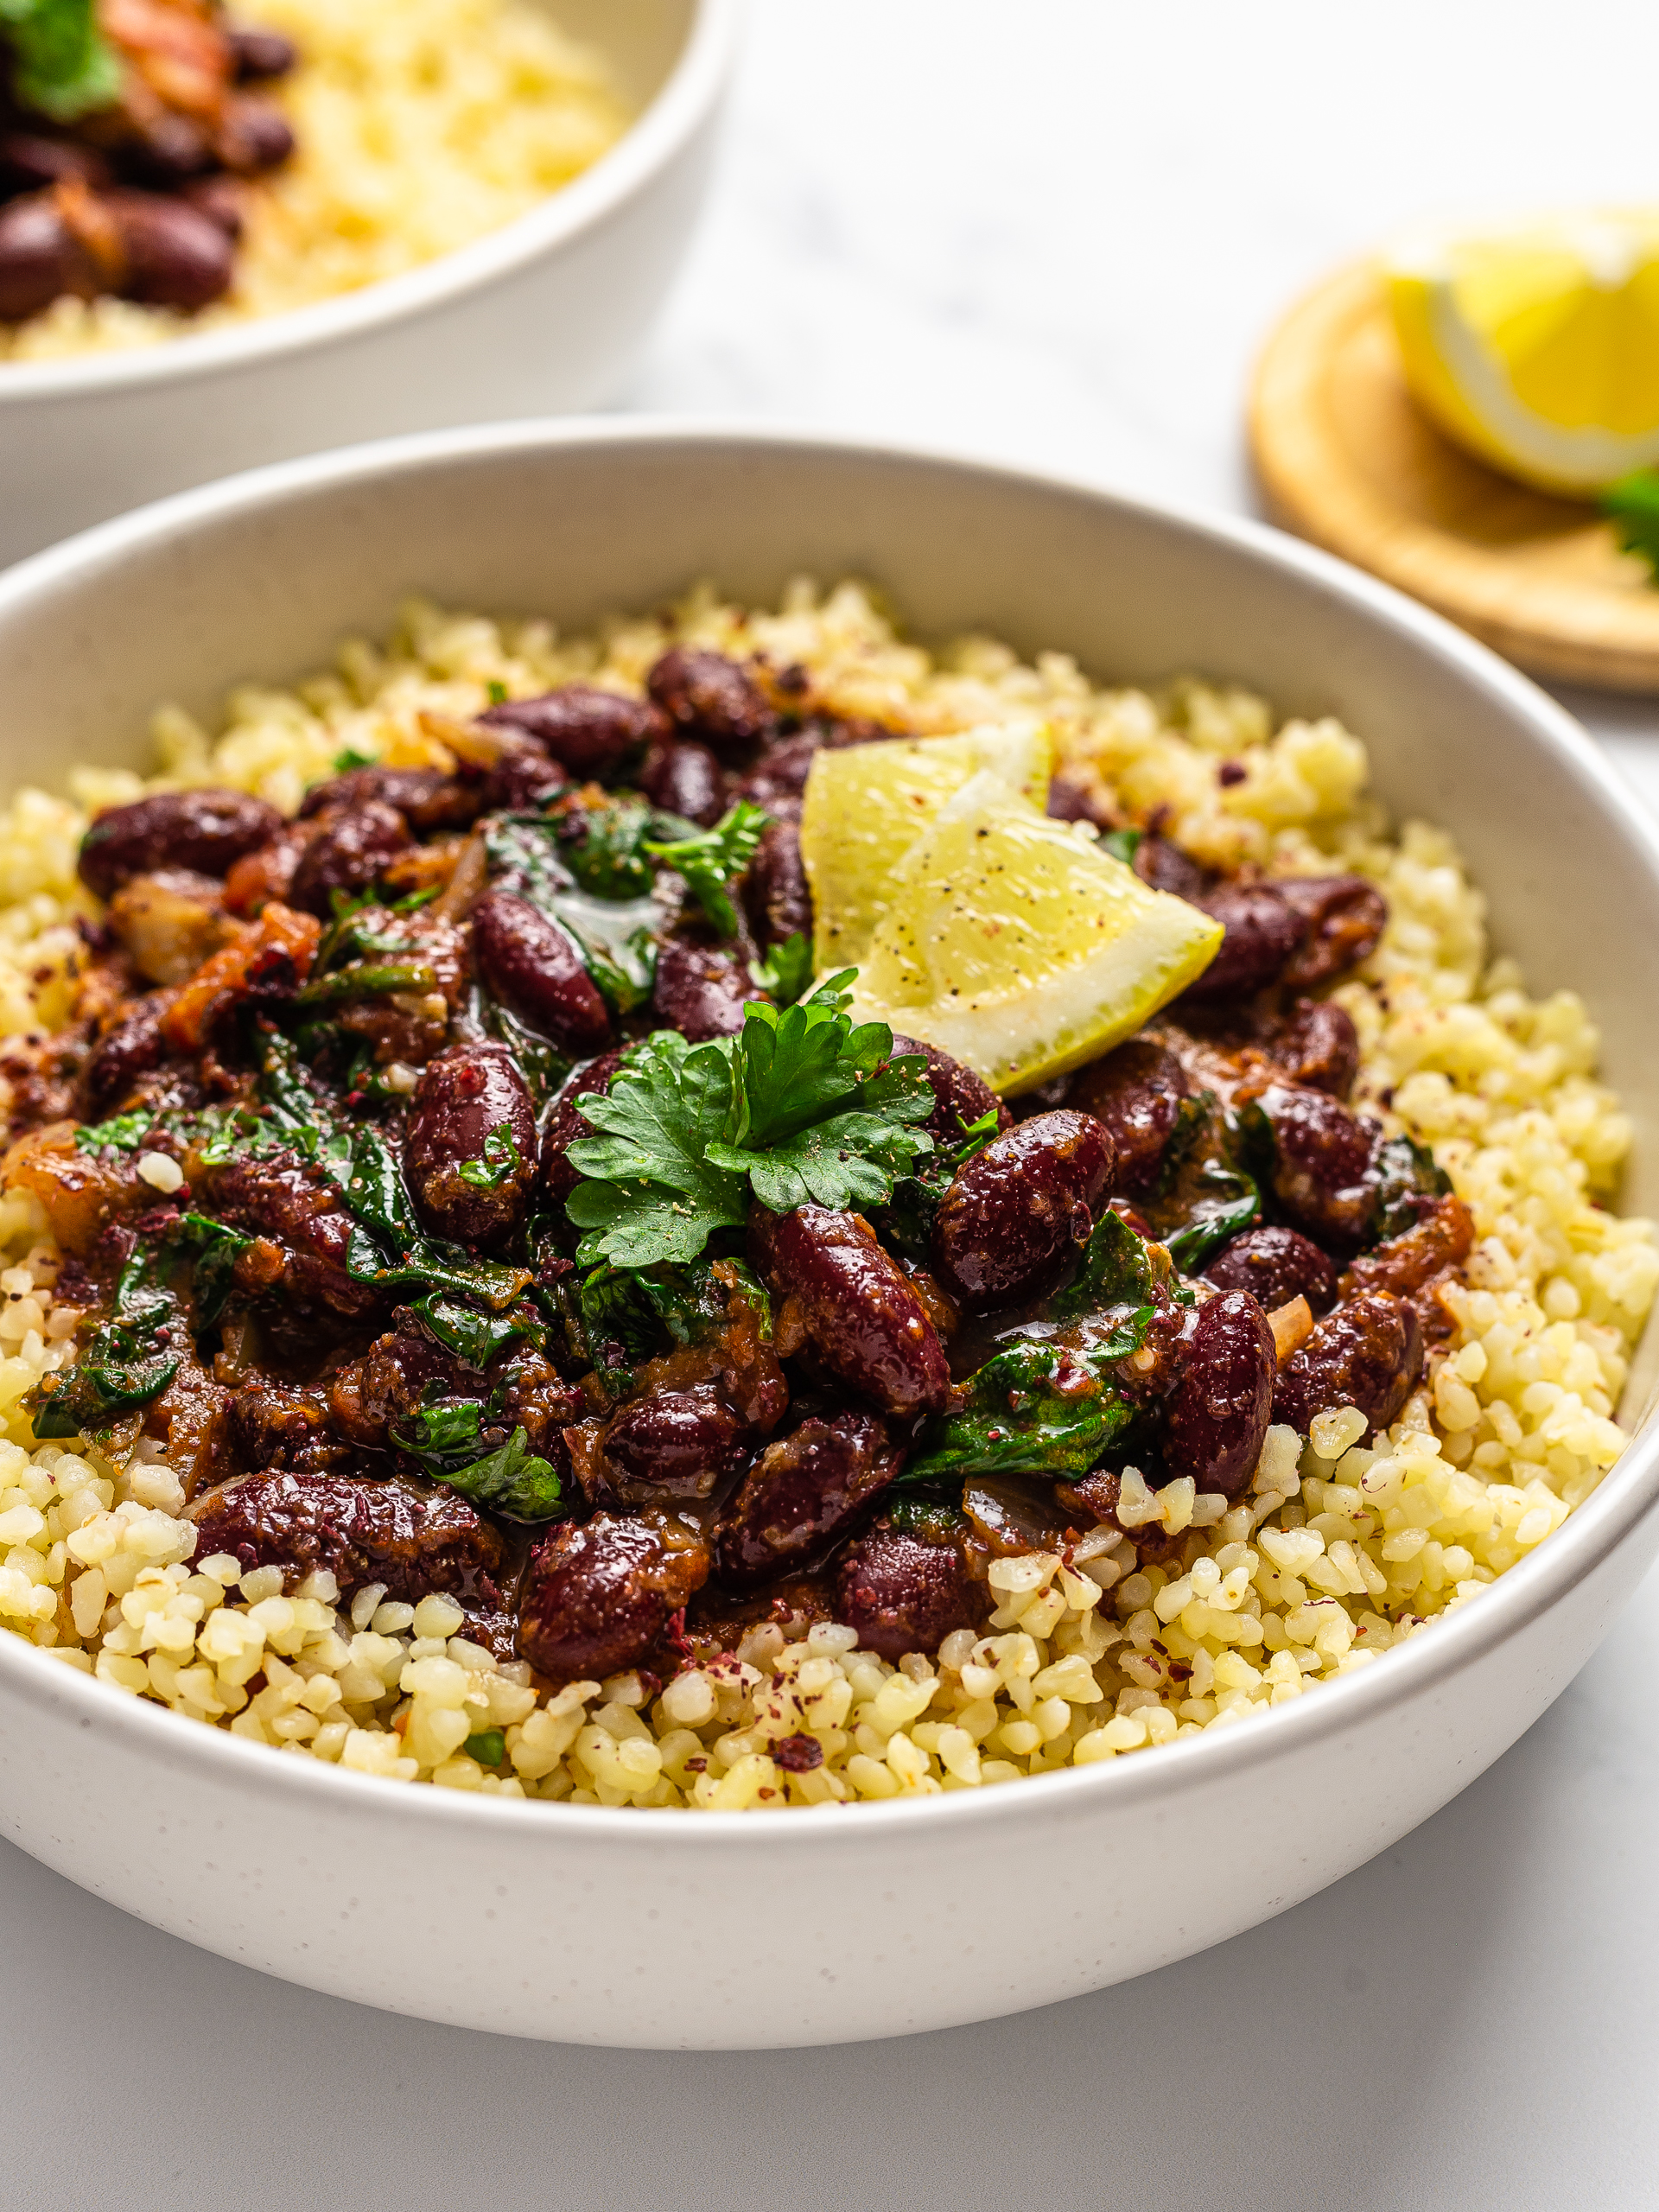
[1052,231]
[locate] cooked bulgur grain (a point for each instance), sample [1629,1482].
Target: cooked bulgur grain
[1335,1553]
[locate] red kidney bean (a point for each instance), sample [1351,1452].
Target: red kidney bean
[565,1124]
[1015,1212]
[706,696]
[428,800]
[522,780]
[221,200]
[40,258]
[354,844]
[464,1097]
[701,988]
[590,731]
[1368,1353]
[533,966]
[1218,1414]
[1322,1158]
[133,1048]
[259,56]
[301,1234]
[961,1096]
[1137,1092]
[775,894]
[31,164]
[598,1598]
[166,147]
[412,1539]
[176,257]
[252,135]
[777,779]
[1315,1043]
[674,1444]
[1161,862]
[905,1593]
[1342,917]
[861,1313]
[802,1493]
[684,778]
[1261,931]
[204,830]
[383,1389]
[1276,1265]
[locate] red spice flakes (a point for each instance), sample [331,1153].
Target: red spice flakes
[797,1754]
[1231,772]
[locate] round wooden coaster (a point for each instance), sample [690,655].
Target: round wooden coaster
[1346,459]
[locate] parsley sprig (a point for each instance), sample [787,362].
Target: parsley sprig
[803,1107]
[1633,506]
[713,858]
[62,65]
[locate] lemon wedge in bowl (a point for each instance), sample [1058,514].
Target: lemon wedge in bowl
[1019,946]
[865,806]
[1537,348]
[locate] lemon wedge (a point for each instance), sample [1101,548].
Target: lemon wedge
[1016,944]
[865,806]
[1537,348]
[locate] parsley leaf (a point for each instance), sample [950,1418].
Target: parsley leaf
[64,66]
[1633,506]
[654,1194]
[1122,844]
[712,858]
[802,1107]
[786,970]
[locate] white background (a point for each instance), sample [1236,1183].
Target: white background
[1054,231]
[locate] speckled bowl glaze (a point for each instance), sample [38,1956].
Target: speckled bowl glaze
[543,316]
[733,1929]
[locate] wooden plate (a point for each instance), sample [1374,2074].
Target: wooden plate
[1346,459]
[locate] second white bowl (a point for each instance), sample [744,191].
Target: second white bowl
[541,317]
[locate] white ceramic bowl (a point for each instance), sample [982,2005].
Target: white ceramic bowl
[737,1929]
[543,316]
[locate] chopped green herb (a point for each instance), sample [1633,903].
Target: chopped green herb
[367,979]
[1122,844]
[63,66]
[477,1338]
[513,1481]
[496,691]
[499,1164]
[489,1746]
[1633,506]
[605,849]
[786,972]
[1405,1171]
[349,758]
[1034,1409]
[125,1133]
[710,859]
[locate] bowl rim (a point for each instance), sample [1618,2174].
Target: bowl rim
[650,142]
[1627,1495]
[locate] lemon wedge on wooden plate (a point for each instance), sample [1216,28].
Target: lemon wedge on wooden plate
[1537,348]
[1017,944]
[864,805]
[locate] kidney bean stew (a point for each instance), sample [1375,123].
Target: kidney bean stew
[465,1182]
[128,132]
